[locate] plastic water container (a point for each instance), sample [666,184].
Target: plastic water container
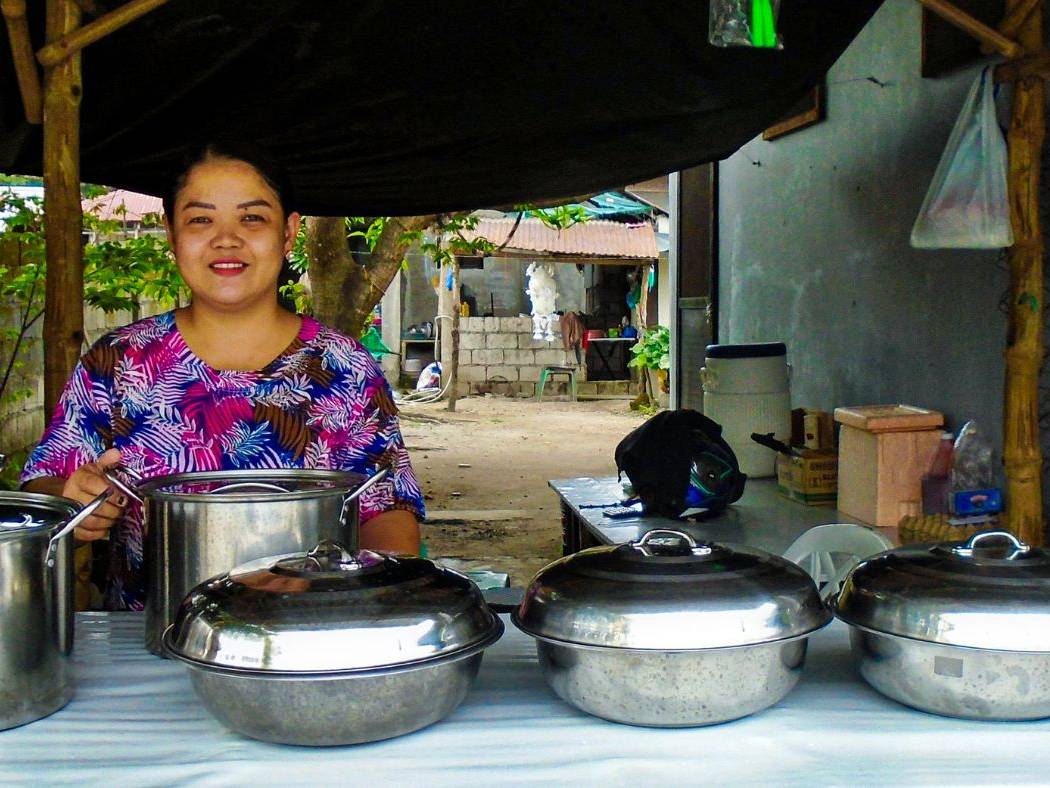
[747,389]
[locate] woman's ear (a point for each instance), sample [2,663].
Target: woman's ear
[291,230]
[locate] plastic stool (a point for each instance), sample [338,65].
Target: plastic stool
[815,551]
[552,371]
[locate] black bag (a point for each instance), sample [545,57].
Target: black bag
[678,460]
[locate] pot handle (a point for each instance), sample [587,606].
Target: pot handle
[73,522]
[694,547]
[375,477]
[130,489]
[966,550]
[265,486]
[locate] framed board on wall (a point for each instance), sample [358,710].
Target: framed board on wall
[946,47]
[807,111]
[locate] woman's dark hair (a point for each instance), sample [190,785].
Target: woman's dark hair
[250,152]
[238,149]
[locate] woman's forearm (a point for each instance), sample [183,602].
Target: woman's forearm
[49,485]
[395,531]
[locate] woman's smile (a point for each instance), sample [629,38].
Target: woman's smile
[229,266]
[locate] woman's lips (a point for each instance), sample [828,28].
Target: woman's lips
[228,267]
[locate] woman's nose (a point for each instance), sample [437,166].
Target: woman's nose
[226,234]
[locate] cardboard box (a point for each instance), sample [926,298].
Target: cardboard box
[811,478]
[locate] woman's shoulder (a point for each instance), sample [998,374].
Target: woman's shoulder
[337,349]
[107,350]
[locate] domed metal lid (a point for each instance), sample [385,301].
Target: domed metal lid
[328,611]
[255,485]
[22,513]
[667,592]
[991,592]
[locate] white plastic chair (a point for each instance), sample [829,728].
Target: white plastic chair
[829,552]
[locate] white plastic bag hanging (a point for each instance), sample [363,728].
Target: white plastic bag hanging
[966,206]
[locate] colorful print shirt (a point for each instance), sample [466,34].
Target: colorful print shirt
[323,403]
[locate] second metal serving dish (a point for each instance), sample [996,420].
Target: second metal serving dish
[332,646]
[956,628]
[669,632]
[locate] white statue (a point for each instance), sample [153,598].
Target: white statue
[543,291]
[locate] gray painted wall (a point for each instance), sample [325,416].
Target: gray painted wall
[814,244]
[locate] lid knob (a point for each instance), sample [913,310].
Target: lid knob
[329,556]
[966,550]
[690,544]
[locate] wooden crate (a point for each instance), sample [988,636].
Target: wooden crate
[881,466]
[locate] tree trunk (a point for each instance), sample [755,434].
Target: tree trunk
[1024,351]
[453,372]
[344,290]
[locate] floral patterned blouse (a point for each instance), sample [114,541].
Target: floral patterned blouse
[323,403]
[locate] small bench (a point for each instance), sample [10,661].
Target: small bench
[554,371]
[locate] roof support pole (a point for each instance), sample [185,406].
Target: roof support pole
[64,290]
[72,41]
[1024,345]
[22,53]
[979,30]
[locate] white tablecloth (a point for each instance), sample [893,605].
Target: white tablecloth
[136,721]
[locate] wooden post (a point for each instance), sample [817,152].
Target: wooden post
[453,373]
[1024,351]
[64,290]
[22,53]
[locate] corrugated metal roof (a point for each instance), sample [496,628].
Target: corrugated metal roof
[107,207]
[595,238]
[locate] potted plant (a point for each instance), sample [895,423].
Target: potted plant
[652,352]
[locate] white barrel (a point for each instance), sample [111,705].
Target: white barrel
[747,389]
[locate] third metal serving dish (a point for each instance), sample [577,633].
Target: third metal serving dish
[956,628]
[669,632]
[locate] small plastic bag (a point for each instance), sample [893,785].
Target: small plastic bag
[430,377]
[744,23]
[972,467]
[966,205]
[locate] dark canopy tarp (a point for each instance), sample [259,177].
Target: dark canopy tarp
[395,108]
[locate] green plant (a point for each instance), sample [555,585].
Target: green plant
[653,350]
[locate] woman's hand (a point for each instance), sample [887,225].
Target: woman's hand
[86,483]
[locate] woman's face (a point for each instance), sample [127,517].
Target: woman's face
[229,235]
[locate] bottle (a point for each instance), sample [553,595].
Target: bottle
[937,479]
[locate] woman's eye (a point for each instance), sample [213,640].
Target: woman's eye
[199,220]
[253,217]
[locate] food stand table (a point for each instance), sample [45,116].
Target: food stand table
[610,358]
[135,721]
[761,518]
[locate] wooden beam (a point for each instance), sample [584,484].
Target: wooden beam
[1010,26]
[1022,68]
[1022,454]
[22,52]
[64,288]
[974,27]
[91,8]
[58,50]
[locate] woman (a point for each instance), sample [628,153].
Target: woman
[232,381]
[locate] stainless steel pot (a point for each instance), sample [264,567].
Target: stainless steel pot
[36,603]
[671,633]
[201,524]
[957,628]
[332,647]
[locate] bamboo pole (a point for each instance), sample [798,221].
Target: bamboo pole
[453,373]
[64,290]
[1022,454]
[22,52]
[1034,66]
[76,39]
[975,27]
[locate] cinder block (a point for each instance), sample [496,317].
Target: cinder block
[526,389]
[519,357]
[512,325]
[491,325]
[473,341]
[502,373]
[486,357]
[471,325]
[526,341]
[501,340]
[554,357]
[472,374]
[529,373]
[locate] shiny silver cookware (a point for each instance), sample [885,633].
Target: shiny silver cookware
[669,632]
[332,646]
[200,524]
[36,603]
[956,628]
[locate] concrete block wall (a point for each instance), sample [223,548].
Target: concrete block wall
[498,355]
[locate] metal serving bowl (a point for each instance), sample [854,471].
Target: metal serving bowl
[671,633]
[957,628]
[332,647]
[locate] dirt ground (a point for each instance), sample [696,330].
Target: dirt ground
[510,448]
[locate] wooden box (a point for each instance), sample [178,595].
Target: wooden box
[883,452]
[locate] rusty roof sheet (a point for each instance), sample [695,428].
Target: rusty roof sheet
[595,238]
[107,206]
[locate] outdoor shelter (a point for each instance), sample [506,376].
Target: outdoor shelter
[280,71]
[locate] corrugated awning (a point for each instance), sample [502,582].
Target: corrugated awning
[122,205]
[595,238]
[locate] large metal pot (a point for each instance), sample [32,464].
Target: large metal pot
[957,628]
[201,524]
[331,646]
[36,603]
[671,633]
